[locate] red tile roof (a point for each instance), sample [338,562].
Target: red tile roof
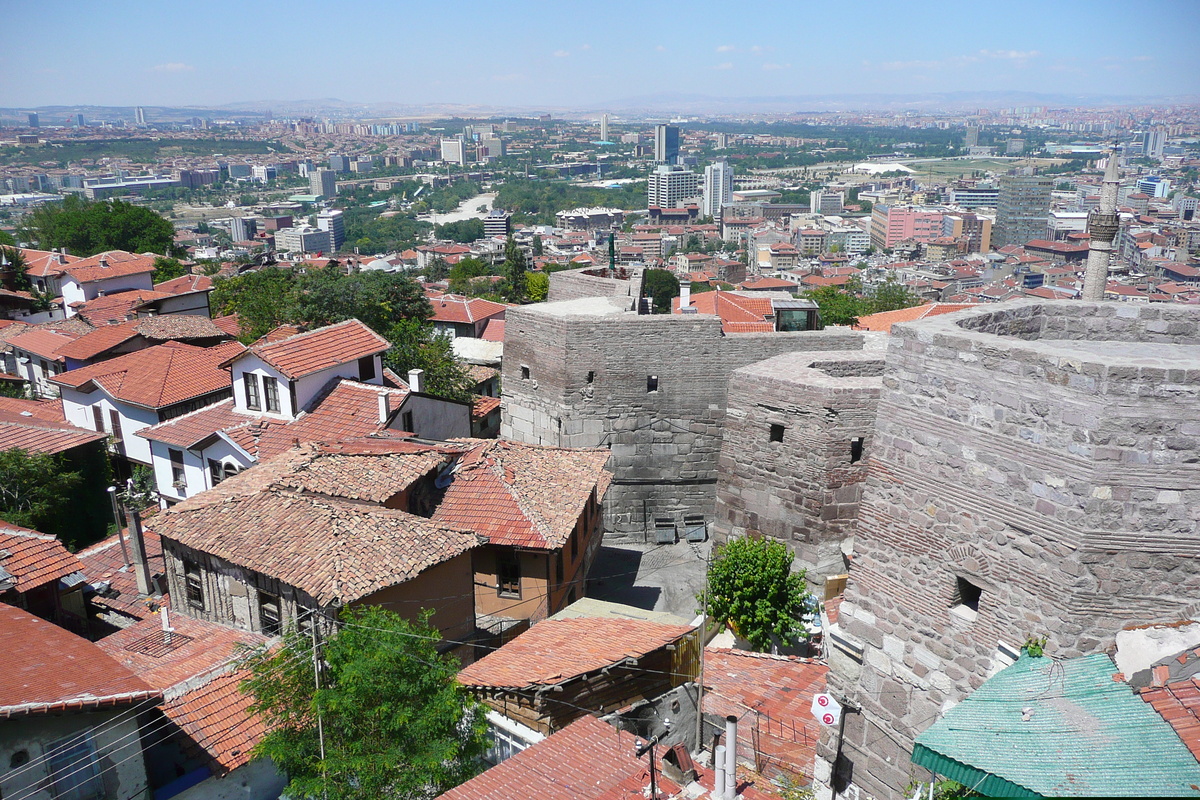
[230,324]
[157,376]
[50,670]
[583,761]
[41,435]
[40,342]
[524,495]
[556,650]
[43,263]
[303,354]
[739,313]
[336,550]
[779,691]
[197,648]
[103,561]
[115,308]
[884,320]
[484,406]
[162,328]
[218,719]
[456,308]
[1175,694]
[33,558]
[111,264]
[185,284]
[50,410]
[493,331]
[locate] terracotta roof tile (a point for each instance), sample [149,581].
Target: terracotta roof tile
[556,650]
[162,328]
[524,495]
[218,719]
[41,343]
[43,263]
[33,558]
[336,550]
[779,690]
[482,406]
[305,353]
[884,320]
[581,762]
[111,264]
[185,284]
[346,409]
[114,308]
[493,331]
[40,435]
[49,410]
[196,648]
[230,324]
[456,308]
[1177,699]
[157,376]
[48,670]
[103,562]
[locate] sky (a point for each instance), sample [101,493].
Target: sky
[571,54]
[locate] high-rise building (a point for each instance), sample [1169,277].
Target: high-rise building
[975,228]
[1014,147]
[339,163]
[971,137]
[673,187]
[454,151]
[718,188]
[1154,141]
[79,121]
[604,127]
[490,147]
[1022,209]
[242,229]
[303,240]
[139,115]
[331,220]
[1154,186]
[666,144]
[497,223]
[33,120]
[827,202]
[323,182]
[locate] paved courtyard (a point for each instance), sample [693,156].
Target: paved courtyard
[654,577]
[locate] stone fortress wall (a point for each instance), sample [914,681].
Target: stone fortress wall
[1035,470]
[591,373]
[797,436]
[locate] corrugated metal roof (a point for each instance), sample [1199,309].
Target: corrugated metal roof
[1058,728]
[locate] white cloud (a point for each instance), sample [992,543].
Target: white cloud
[772,67]
[758,48]
[561,54]
[726,48]
[724,65]
[1014,55]
[585,47]
[661,49]
[174,66]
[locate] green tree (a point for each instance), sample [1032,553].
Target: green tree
[34,488]
[437,269]
[537,287]
[514,271]
[7,239]
[262,299]
[839,307]
[464,231]
[87,228]
[751,586]
[892,295]
[661,285]
[377,299]
[395,722]
[466,270]
[416,345]
[537,245]
[166,269]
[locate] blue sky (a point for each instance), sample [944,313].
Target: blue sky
[576,54]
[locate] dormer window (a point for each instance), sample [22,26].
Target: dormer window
[366,368]
[271,393]
[253,402]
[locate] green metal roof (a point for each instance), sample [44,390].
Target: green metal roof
[1087,735]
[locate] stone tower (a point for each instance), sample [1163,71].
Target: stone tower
[1102,226]
[1035,471]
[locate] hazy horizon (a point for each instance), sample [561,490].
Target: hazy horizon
[532,54]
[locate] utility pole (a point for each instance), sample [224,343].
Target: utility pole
[320,725]
[700,679]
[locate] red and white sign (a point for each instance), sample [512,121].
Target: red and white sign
[827,710]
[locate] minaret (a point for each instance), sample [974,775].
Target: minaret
[1102,227]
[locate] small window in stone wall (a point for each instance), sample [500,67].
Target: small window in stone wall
[524,373]
[856,450]
[966,595]
[776,433]
[591,377]
[651,383]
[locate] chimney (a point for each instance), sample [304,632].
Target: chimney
[141,569]
[416,379]
[685,294]
[718,791]
[383,408]
[730,757]
[104,260]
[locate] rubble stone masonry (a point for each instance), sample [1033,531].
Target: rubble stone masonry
[652,388]
[794,452]
[1035,470]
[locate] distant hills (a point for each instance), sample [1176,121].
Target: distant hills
[649,105]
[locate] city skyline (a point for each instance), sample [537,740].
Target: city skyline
[369,53]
